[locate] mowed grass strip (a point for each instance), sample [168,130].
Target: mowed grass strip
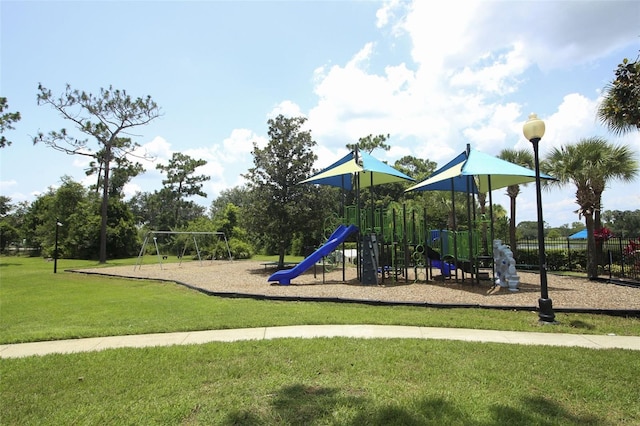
[291,381]
[36,305]
[336,381]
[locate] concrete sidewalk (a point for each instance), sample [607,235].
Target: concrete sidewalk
[312,331]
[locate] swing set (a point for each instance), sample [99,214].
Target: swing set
[152,235]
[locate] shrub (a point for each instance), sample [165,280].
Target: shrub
[240,249]
[557,260]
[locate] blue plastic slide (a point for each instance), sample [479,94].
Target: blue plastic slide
[445,267]
[339,235]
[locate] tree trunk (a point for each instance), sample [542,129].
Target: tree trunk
[281,255]
[105,205]
[592,261]
[597,225]
[178,201]
[99,176]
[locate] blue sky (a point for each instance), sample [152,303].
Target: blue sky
[436,76]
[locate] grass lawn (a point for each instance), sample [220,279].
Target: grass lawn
[37,304]
[326,381]
[289,381]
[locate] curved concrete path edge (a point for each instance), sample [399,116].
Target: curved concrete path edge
[318,331]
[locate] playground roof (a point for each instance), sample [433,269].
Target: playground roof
[448,177]
[488,173]
[369,170]
[580,235]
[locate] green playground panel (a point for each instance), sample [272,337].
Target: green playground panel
[411,227]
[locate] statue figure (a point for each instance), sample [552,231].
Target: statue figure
[505,266]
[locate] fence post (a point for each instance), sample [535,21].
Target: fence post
[622,258]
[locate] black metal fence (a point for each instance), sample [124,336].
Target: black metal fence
[617,257]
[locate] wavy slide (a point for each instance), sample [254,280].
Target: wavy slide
[339,235]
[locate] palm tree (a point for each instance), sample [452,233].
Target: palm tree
[521,157]
[619,110]
[590,164]
[617,162]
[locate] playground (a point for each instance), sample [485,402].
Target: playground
[391,241]
[247,278]
[393,254]
[398,246]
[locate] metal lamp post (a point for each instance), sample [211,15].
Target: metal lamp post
[55,250]
[533,130]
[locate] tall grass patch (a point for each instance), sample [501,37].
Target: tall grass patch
[326,381]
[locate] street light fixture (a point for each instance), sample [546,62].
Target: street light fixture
[55,250]
[533,130]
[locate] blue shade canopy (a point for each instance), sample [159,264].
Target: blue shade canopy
[488,173]
[580,235]
[363,166]
[448,177]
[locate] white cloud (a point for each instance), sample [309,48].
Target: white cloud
[630,139]
[328,156]
[450,96]
[562,34]
[239,144]
[82,159]
[6,185]
[130,189]
[397,152]
[496,132]
[554,34]
[484,137]
[386,12]
[225,159]
[465,84]
[286,108]
[493,73]
[158,148]
[214,166]
[434,75]
[157,151]
[414,104]
[438,30]
[6,188]
[573,120]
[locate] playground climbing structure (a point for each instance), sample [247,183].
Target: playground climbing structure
[396,240]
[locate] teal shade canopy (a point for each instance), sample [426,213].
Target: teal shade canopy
[477,172]
[358,165]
